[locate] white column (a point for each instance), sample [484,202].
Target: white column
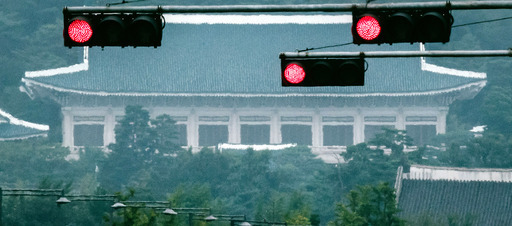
[358,127]
[441,121]
[109,135]
[316,128]
[67,127]
[234,128]
[275,128]
[400,119]
[193,130]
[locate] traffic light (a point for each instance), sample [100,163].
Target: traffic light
[112,29]
[377,27]
[322,71]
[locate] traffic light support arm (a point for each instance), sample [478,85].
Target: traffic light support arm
[460,5]
[393,54]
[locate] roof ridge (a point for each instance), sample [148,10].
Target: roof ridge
[84,66]
[449,71]
[480,84]
[455,180]
[15,121]
[465,168]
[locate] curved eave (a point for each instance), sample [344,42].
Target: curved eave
[15,121]
[478,85]
[23,137]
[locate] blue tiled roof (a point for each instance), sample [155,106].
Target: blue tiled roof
[12,128]
[10,131]
[240,59]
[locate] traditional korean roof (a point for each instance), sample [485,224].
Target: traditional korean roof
[238,55]
[479,195]
[12,128]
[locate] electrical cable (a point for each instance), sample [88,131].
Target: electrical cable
[324,47]
[460,25]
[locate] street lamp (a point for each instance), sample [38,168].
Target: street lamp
[251,222]
[168,211]
[80,197]
[146,204]
[191,212]
[231,218]
[142,204]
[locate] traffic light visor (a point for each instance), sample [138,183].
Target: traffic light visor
[111,30]
[146,30]
[435,27]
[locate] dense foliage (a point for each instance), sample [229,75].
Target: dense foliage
[369,205]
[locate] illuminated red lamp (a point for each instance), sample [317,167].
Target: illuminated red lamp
[80,31]
[294,73]
[368,28]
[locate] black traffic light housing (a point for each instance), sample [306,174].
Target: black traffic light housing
[112,29]
[401,26]
[322,71]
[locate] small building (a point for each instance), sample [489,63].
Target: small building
[441,194]
[218,76]
[12,128]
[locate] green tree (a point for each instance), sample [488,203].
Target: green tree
[140,144]
[369,205]
[26,162]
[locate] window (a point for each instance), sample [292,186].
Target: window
[342,135]
[181,130]
[211,135]
[421,134]
[88,135]
[298,134]
[255,134]
[371,130]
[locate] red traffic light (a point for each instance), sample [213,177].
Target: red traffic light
[393,26]
[294,73]
[79,31]
[368,27]
[112,29]
[322,72]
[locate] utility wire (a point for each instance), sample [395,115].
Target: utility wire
[460,25]
[484,21]
[324,47]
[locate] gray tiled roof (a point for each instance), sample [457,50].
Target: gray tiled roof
[12,128]
[12,132]
[240,59]
[486,203]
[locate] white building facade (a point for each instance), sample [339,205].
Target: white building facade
[220,82]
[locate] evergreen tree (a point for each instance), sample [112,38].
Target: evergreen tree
[369,205]
[140,144]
